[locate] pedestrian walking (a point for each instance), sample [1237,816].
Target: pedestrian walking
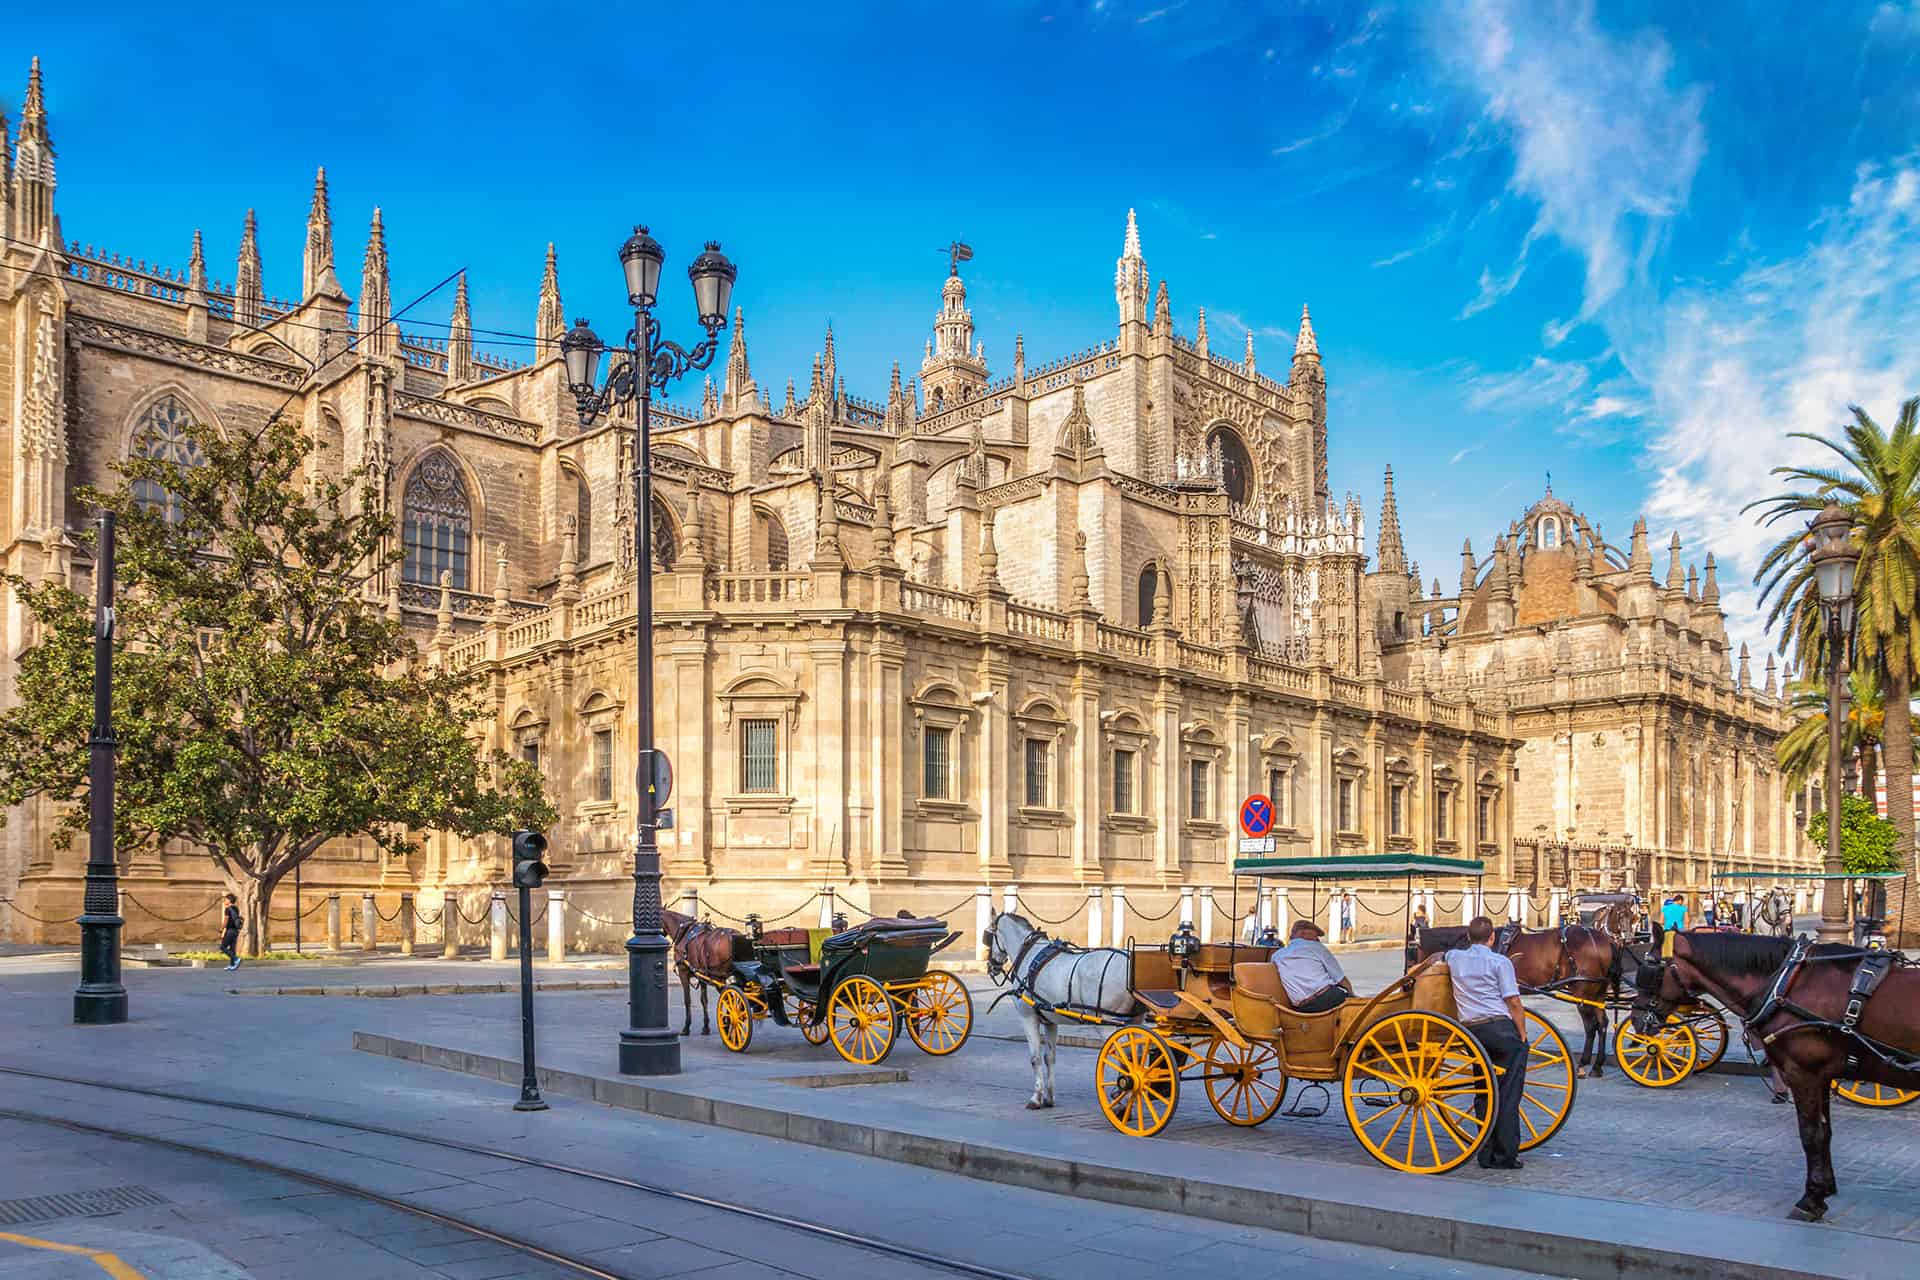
[1487,995]
[1346,916]
[1250,927]
[1709,911]
[230,933]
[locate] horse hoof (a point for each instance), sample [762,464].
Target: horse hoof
[1034,1106]
[1581,1073]
[1048,1104]
[1802,1213]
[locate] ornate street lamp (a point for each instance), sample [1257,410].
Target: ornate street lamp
[648,362]
[1831,552]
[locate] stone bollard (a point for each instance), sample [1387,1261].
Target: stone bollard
[1282,910]
[1335,934]
[333,922]
[982,918]
[1119,915]
[449,925]
[1556,907]
[556,925]
[1010,899]
[1469,905]
[1186,905]
[1516,905]
[497,920]
[369,923]
[1206,914]
[406,924]
[1096,899]
[826,907]
[1426,897]
[690,903]
[1266,906]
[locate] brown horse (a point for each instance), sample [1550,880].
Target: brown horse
[1797,1016]
[1582,962]
[702,947]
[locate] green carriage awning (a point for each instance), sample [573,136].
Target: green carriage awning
[1809,875]
[1364,866]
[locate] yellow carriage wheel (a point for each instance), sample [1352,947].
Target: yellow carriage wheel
[1245,1086]
[1658,1061]
[940,1014]
[1547,1097]
[1138,1080]
[1419,1092]
[1868,1094]
[860,1020]
[800,1014]
[736,1019]
[1710,1033]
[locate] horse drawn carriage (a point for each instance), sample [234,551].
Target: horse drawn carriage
[858,988]
[1417,1089]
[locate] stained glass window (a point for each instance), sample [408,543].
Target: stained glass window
[437,526]
[163,437]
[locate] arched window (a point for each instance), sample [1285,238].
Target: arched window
[583,523]
[163,436]
[1236,466]
[1549,533]
[665,549]
[939,399]
[1149,588]
[436,523]
[773,537]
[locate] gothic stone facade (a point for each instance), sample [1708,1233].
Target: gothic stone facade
[1043,629]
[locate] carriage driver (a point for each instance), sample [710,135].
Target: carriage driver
[1313,979]
[1488,997]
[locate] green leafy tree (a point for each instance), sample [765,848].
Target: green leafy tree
[265,700]
[1802,750]
[1866,839]
[1878,478]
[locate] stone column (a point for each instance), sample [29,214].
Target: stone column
[333,922]
[1206,913]
[1516,904]
[1426,899]
[406,924]
[1119,915]
[1186,905]
[449,925]
[982,917]
[1266,906]
[1335,934]
[1096,899]
[1556,908]
[497,921]
[556,925]
[369,923]
[1010,899]
[826,907]
[1469,905]
[690,903]
[1282,910]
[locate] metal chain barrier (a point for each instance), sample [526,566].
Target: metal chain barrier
[383,915]
[318,903]
[1438,905]
[1071,916]
[1390,911]
[170,919]
[591,918]
[955,908]
[421,916]
[17,909]
[514,919]
[1175,906]
[707,908]
[457,910]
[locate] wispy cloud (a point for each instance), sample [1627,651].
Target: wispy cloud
[1493,288]
[1425,243]
[1540,384]
[1466,452]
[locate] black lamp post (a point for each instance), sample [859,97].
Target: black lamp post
[647,362]
[1833,556]
[100,999]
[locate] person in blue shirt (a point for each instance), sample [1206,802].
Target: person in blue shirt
[1673,916]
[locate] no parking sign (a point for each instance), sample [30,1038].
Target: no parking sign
[1256,824]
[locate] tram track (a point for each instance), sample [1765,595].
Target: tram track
[577,1265]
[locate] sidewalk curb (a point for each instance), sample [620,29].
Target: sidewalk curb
[393,990]
[1497,1230]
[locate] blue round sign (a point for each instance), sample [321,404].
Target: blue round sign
[1256,815]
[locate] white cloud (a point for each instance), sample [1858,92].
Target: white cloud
[1542,384]
[1493,288]
[1604,146]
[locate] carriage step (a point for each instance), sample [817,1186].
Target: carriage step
[1299,1112]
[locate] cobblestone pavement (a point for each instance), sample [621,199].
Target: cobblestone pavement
[189,1035]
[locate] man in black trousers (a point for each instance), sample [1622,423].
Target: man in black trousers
[230,932]
[1488,996]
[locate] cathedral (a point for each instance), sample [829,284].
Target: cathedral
[1036,628]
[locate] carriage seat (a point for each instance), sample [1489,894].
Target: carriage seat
[783,938]
[1161,1000]
[803,972]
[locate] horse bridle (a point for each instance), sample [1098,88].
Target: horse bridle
[1000,974]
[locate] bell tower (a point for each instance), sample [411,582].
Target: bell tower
[956,366]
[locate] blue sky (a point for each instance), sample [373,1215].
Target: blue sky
[1631,244]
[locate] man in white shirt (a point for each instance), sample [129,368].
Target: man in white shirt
[1313,979]
[1250,927]
[1488,997]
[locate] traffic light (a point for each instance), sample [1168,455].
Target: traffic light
[529,859]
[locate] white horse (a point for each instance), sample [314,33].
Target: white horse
[1074,977]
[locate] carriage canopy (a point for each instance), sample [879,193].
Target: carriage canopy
[1360,866]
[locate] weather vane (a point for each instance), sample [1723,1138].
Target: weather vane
[957,252]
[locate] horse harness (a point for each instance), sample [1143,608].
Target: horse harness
[1023,970]
[1873,967]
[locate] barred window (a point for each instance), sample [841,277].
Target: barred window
[759,756]
[1397,809]
[1038,752]
[164,437]
[1123,782]
[1199,790]
[1280,791]
[436,523]
[530,751]
[1347,815]
[938,761]
[1486,819]
[1443,813]
[603,765]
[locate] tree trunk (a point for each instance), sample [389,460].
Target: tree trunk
[256,899]
[1897,757]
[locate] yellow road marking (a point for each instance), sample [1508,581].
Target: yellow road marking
[107,1262]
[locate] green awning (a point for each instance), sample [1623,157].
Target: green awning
[1361,866]
[1809,875]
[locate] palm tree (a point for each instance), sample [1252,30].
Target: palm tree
[1880,481]
[1802,753]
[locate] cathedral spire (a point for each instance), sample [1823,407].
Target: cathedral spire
[1251,371]
[828,372]
[1468,572]
[1676,576]
[1200,335]
[1639,558]
[377,338]
[33,179]
[197,272]
[1306,346]
[1078,443]
[316,271]
[549,322]
[1710,584]
[740,391]
[248,297]
[1162,313]
[1130,277]
[460,337]
[1393,553]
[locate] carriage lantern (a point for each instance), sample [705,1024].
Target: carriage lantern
[1185,943]
[839,922]
[753,925]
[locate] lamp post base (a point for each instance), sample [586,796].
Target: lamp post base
[648,1046]
[99,1008]
[99,1000]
